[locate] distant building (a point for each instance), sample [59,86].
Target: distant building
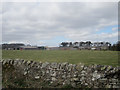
[20,46]
[67,48]
[12,46]
[52,48]
[41,48]
[28,48]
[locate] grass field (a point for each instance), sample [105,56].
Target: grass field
[74,57]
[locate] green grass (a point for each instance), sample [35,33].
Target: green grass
[74,57]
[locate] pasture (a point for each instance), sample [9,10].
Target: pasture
[71,56]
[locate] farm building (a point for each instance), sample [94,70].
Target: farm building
[20,46]
[12,46]
[52,48]
[41,48]
[67,48]
[28,48]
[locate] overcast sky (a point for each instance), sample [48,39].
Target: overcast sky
[45,23]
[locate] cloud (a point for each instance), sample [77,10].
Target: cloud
[36,23]
[115,28]
[60,0]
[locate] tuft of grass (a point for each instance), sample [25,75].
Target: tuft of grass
[71,56]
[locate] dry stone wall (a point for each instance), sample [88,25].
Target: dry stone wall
[31,74]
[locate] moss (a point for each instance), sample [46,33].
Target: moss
[67,86]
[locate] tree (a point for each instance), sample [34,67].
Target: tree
[115,47]
[76,45]
[88,43]
[70,44]
[118,46]
[64,44]
[101,43]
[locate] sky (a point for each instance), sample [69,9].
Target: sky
[50,23]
